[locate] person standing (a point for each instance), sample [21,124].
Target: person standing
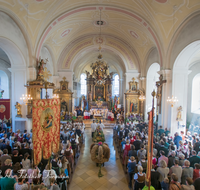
[93,127]
[131,170]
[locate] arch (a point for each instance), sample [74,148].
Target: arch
[152,77]
[187,33]
[78,65]
[195,105]
[18,34]
[18,73]
[4,84]
[70,53]
[185,56]
[151,57]
[180,80]
[135,16]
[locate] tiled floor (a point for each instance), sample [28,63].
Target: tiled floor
[86,172]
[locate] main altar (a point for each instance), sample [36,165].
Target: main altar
[99,85]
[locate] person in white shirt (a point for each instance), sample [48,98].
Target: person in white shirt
[102,126]
[93,127]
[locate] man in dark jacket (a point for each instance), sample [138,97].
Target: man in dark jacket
[137,143]
[194,159]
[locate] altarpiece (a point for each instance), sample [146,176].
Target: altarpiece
[133,105]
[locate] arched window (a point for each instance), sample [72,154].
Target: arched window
[116,85]
[4,84]
[83,84]
[195,106]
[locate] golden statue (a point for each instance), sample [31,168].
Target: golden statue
[118,102]
[179,115]
[18,107]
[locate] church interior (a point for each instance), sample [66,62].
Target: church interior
[83,76]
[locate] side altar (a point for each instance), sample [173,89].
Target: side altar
[65,95]
[133,102]
[99,85]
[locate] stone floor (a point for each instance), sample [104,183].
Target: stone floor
[86,172]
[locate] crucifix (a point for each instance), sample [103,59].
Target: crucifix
[46,75]
[159,85]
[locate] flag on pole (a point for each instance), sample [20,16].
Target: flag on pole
[46,128]
[150,147]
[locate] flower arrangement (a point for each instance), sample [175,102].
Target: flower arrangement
[100,143]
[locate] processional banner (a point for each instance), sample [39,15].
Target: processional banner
[4,108]
[46,128]
[150,147]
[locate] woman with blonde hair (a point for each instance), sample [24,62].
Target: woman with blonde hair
[47,174]
[163,170]
[139,178]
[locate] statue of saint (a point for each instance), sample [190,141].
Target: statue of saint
[18,107]
[118,102]
[41,68]
[90,96]
[1,93]
[179,114]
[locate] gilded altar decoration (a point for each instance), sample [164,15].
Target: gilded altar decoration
[179,114]
[46,128]
[35,87]
[65,95]
[19,111]
[133,104]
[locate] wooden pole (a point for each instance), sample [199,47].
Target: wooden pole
[152,136]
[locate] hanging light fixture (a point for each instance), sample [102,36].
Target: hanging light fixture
[172,100]
[142,97]
[25,98]
[55,96]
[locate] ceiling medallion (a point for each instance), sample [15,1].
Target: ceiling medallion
[65,33]
[134,34]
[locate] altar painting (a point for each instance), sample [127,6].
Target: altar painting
[99,92]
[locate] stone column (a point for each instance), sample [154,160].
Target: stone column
[164,118]
[121,90]
[19,79]
[179,90]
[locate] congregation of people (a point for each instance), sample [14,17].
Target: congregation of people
[18,171]
[175,161]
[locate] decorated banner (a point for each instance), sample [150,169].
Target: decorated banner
[150,147]
[46,128]
[4,109]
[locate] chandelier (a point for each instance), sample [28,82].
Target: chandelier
[142,98]
[25,98]
[172,100]
[55,96]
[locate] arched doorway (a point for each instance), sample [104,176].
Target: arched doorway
[180,84]
[152,77]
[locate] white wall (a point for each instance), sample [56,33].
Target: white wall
[151,79]
[195,69]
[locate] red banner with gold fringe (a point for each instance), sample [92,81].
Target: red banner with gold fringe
[46,128]
[150,147]
[4,109]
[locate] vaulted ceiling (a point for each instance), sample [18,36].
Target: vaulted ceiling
[131,28]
